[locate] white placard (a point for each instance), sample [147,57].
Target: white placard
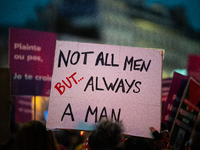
[92,81]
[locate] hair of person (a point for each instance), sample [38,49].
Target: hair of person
[34,136]
[107,135]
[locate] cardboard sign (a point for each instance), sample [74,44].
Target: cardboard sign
[31,61]
[186,116]
[93,81]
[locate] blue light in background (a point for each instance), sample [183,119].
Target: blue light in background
[192,9]
[20,11]
[45,115]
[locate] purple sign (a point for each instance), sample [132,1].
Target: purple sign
[165,91]
[23,109]
[177,87]
[31,61]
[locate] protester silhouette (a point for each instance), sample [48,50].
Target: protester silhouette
[132,143]
[33,135]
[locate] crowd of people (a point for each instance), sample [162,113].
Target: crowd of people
[108,135]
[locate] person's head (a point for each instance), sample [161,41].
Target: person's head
[34,136]
[107,135]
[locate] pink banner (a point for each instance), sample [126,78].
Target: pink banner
[193,67]
[23,109]
[31,61]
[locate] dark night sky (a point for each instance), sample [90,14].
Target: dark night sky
[17,13]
